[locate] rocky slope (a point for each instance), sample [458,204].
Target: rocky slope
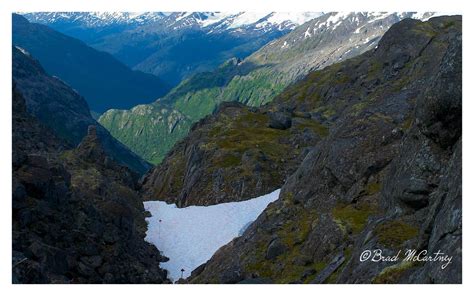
[234,155]
[103,81]
[63,110]
[76,215]
[385,172]
[257,79]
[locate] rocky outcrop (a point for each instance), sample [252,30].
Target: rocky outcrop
[237,154]
[76,215]
[386,177]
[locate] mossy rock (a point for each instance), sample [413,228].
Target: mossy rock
[373,188]
[393,273]
[315,126]
[353,216]
[394,234]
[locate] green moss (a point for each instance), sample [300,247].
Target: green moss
[283,269]
[295,231]
[392,274]
[315,126]
[426,29]
[394,234]
[357,108]
[353,216]
[373,188]
[228,160]
[374,69]
[407,123]
[249,131]
[329,113]
[449,24]
[175,179]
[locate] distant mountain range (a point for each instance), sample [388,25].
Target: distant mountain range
[92,19]
[103,80]
[175,45]
[256,80]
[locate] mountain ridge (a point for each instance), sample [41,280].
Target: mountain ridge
[63,110]
[384,174]
[160,45]
[104,81]
[257,79]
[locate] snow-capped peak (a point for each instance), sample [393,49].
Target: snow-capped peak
[236,20]
[95,18]
[210,21]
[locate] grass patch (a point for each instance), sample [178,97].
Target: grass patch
[373,188]
[353,216]
[394,234]
[392,274]
[315,126]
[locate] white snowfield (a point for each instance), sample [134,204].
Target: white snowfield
[190,236]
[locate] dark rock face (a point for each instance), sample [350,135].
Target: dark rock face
[76,215]
[232,155]
[387,176]
[63,111]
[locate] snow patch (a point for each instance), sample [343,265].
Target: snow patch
[190,236]
[23,51]
[297,18]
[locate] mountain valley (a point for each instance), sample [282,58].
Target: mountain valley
[291,153]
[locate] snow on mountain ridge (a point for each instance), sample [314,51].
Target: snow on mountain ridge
[211,20]
[95,18]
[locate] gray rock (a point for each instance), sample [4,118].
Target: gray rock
[280,120]
[275,248]
[324,274]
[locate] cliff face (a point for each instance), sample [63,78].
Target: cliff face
[76,215]
[385,173]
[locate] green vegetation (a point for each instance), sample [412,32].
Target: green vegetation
[353,216]
[315,126]
[289,266]
[393,273]
[394,234]
[147,126]
[373,187]
[332,279]
[146,130]
[249,131]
